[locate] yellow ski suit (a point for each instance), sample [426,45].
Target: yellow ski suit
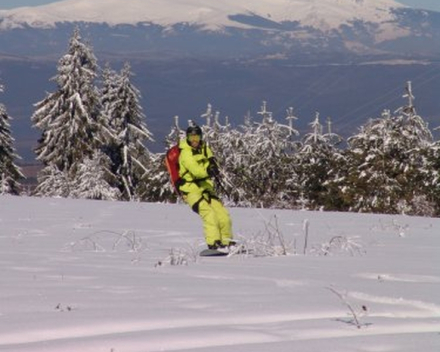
[198,192]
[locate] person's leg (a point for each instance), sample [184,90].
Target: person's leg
[223,221]
[211,224]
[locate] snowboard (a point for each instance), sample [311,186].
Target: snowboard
[218,253]
[212,253]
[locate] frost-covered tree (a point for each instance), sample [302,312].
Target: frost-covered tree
[67,117]
[159,188]
[126,134]
[255,159]
[318,164]
[428,203]
[54,183]
[390,166]
[92,181]
[260,163]
[387,162]
[10,173]
[222,140]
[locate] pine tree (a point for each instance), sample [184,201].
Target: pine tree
[261,162]
[428,203]
[10,173]
[159,188]
[318,164]
[91,182]
[126,133]
[68,116]
[221,139]
[54,183]
[388,162]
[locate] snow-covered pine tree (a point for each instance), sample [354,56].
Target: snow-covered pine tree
[10,173]
[317,164]
[387,162]
[262,166]
[67,117]
[373,162]
[176,134]
[428,204]
[222,139]
[208,115]
[418,173]
[215,132]
[54,183]
[91,182]
[126,134]
[159,188]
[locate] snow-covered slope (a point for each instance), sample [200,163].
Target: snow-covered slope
[322,14]
[90,276]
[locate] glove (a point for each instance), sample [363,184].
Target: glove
[213,171]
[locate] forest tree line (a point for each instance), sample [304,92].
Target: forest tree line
[93,146]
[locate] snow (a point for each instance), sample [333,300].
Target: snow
[80,275]
[323,14]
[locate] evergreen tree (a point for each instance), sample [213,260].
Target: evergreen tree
[388,162]
[428,203]
[390,166]
[318,164]
[68,116]
[91,182]
[126,133]
[10,173]
[262,166]
[54,183]
[159,188]
[222,141]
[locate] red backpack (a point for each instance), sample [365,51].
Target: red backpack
[172,164]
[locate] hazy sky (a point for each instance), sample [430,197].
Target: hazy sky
[9,4]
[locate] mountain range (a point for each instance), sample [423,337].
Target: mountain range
[324,14]
[348,59]
[274,29]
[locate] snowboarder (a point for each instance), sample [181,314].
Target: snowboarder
[197,167]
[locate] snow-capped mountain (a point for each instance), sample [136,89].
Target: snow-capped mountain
[320,14]
[244,27]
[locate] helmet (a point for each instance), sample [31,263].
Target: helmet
[194,130]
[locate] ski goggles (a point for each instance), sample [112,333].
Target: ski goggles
[194,138]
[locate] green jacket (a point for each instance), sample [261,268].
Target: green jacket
[193,165]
